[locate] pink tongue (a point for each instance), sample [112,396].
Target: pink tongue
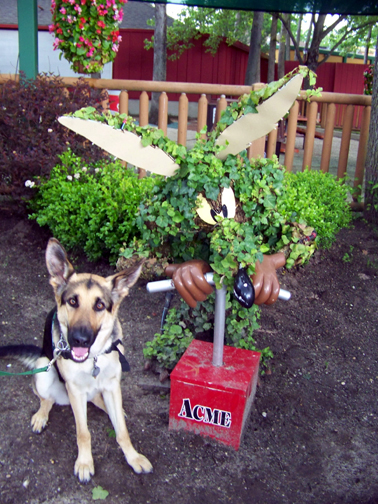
[80,351]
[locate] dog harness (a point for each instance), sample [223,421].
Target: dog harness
[53,352]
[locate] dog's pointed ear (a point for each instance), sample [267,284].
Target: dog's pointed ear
[124,280]
[58,265]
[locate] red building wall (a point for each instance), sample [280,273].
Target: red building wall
[228,66]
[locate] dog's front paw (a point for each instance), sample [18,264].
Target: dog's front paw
[140,463]
[38,422]
[84,470]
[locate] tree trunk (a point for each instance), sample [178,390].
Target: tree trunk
[309,33]
[272,48]
[313,52]
[371,165]
[160,57]
[298,37]
[282,49]
[367,47]
[252,74]
[287,40]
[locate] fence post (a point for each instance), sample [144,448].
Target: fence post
[257,148]
[163,112]
[361,154]
[345,141]
[143,119]
[202,113]
[291,136]
[182,119]
[312,112]
[221,105]
[272,143]
[123,102]
[328,137]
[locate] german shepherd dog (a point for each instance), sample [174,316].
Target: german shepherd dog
[84,336]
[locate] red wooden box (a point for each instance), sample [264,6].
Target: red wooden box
[213,401]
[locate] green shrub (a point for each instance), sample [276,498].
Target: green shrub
[318,200]
[91,206]
[31,138]
[184,323]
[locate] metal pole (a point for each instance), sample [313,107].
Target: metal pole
[28,37]
[219,325]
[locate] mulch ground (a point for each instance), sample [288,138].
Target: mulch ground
[311,436]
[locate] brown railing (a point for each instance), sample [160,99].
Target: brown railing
[317,116]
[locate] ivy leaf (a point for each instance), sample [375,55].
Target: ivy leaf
[250,110]
[99,493]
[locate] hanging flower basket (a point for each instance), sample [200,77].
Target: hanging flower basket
[368,80]
[87,32]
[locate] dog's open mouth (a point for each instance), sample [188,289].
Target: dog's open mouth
[79,354]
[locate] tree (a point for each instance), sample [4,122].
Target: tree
[272,48]
[282,47]
[160,57]
[350,31]
[371,165]
[220,24]
[252,74]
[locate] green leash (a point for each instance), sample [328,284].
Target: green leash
[33,371]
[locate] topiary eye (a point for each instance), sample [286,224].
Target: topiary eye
[228,207]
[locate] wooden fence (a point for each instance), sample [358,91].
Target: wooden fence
[264,146]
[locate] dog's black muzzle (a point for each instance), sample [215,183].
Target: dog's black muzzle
[80,340]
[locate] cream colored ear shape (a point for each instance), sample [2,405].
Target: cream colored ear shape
[123,144]
[250,127]
[208,214]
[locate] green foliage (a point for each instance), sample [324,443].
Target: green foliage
[169,346]
[99,493]
[184,323]
[91,206]
[193,22]
[348,257]
[317,199]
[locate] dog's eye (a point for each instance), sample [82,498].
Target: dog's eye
[99,306]
[73,302]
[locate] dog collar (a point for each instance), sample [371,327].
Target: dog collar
[122,359]
[61,349]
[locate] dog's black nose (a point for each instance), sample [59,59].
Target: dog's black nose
[80,337]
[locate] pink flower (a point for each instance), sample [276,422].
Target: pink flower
[62,10]
[56,43]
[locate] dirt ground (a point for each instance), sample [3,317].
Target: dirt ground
[311,436]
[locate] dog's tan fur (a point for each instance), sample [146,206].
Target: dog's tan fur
[86,303]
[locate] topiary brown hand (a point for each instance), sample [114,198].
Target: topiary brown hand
[190,281]
[192,286]
[265,279]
